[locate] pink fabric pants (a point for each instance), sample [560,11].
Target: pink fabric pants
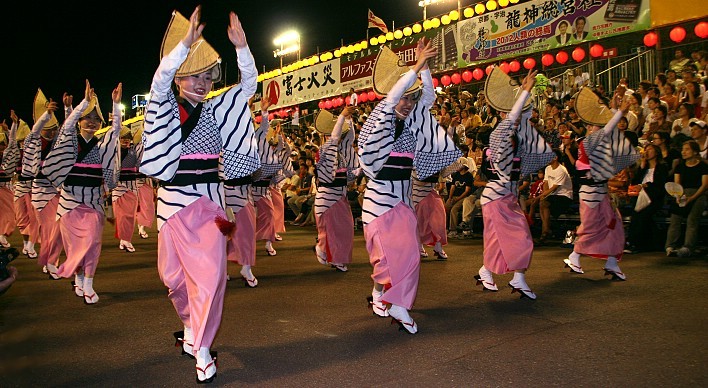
[191,260]
[507,239]
[601,233]
[335,232]
[50,233]
[431,220]
[26,217]
[145,215]
[278,209]
[124,209]
[241,248]
[265,220]
[392,242]
[7,212]
[81,231]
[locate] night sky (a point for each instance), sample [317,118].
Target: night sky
[56,45]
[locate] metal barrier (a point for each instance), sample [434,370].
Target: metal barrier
[635,68]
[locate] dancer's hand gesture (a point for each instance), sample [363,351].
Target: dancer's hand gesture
[117,93]
[88,93]
[529,81]
[235,32]
[195,28]
[424,51]
[67,99]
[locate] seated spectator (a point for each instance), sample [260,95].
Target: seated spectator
[460,187]
[550,133]
[692,174]
[683,123]
[298,190]
[698,133]
[534,196]
[651,175]
[679,61]
[557,195]
[661,122]
[670,98]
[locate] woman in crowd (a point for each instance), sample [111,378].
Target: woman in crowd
[669,155]
[125,194]
[683,123]
[81,165]
[393,140]
[692,174]
[651,175]
[185,139]
[7,213]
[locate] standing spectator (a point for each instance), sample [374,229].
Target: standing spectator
[462,185]
[556,196]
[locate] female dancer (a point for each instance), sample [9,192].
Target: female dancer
[515,149]
[81,164]
[184,138]
[601,155]
[335,224]
[7,214]
[125,194]
[45,197]
[400,133]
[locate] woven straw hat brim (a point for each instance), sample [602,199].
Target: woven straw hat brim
[138,136]
[93,104]
[23,130]
[325,122]
[124,131]
[388,69]
[590,110]
[502,92]
[39,107]
[202,55]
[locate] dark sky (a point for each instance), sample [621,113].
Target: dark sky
[56,45]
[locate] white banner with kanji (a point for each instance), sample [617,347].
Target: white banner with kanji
[311,83]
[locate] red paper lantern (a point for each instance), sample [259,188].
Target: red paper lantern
[259,119]
[578,54]
[596,50]
[477,74]
[489,69]
[456,79]
[562,57]
[467,76]
[363,97]
[701,30]
[504,67]
[650,39]
[271,116]
[445,80]
[340,101]
[328,104]
[435,82]
[347,100]
[547,59]
[372,95]
[529,63]
[514,66]
[321,104]
[677,34]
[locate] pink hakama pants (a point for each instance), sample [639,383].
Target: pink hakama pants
[507,239]
[81,231]
[278,209]
[335,232]
[601,233]
[145,215]
[265,220]
[191,260]
[7,212]
[241,248]
[431,220]
[50,233]
[393,246]
[26,217]
[124,209]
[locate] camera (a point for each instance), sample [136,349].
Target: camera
[6,256]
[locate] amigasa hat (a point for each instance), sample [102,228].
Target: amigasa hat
[201,57]
[40,106]
[502,92]
[325,122]
[23,130]
[93,104]
[590,109]
[388,69]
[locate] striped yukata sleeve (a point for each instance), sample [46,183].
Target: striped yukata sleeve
[11,155]
[63,155]
[609,151]
[108,151]
[32,150]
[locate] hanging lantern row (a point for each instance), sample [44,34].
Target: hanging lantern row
[336,102]
[677,34]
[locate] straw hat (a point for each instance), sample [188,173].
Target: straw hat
[23,130]
[40,106]
[93,104]
[325,122]
[138,135]
[3,137]
[502,92]
[388,69]
[125,132]
[589,108]
[201,57]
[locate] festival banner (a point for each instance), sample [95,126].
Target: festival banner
[303,85]
[542,25]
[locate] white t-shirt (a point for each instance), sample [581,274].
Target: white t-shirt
[559,176]
[649,176]
[685,130]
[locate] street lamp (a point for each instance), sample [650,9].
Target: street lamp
[425,3]
[289,42]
